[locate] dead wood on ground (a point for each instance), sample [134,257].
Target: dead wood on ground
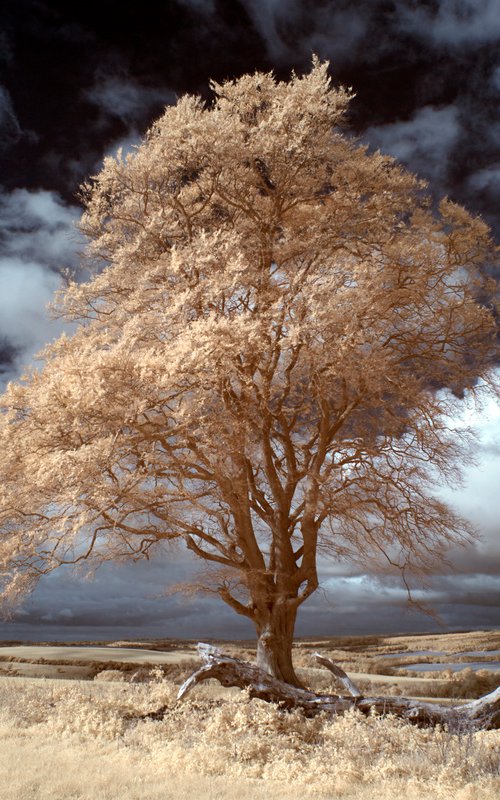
[480,714]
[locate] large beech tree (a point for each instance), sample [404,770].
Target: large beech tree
[270,353]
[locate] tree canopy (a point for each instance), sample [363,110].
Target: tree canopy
[270,351]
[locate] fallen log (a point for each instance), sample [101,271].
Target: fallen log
[480,714]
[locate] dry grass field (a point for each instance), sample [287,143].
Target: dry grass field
[74,739]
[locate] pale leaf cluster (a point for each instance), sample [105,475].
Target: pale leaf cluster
[278,331]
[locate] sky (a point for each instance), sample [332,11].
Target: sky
[75,85]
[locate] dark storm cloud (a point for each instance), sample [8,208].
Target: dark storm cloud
[74,87]
[10,130]
[120,601]
[456,600]
[463,591]
[102,83]
[292,30]
[426,76]
[360,30]
[204,7]
[130,600]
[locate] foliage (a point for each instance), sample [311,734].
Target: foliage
[269,359]
[80,742]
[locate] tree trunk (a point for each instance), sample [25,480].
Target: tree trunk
[275,642]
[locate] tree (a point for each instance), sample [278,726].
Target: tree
[271,348]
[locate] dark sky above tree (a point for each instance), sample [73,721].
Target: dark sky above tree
[77,80]
[79,77]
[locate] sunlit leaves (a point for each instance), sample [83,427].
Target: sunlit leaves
[277,333]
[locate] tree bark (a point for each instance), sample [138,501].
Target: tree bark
[275,643]
[483,713]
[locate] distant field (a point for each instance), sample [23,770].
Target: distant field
[378,661]
[81,663]
[74,739]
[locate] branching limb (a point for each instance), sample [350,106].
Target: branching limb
[339,674]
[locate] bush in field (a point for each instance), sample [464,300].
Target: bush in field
[234,738]
[470,683]
[174,673]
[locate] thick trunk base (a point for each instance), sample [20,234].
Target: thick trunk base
[483,713]
[275,658]
[274,645]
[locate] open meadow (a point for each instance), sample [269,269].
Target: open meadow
[70,726]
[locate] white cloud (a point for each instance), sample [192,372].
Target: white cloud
[127,144]
[27,287]
[349,32]
[454,22]
[486,180]
[38,226]
[479,499]
[425,142]
[288,29]
[38,237]
[125,98]
[266,16]
[338,35]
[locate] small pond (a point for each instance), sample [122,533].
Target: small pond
[494,666]
[416,653]
[481,653]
